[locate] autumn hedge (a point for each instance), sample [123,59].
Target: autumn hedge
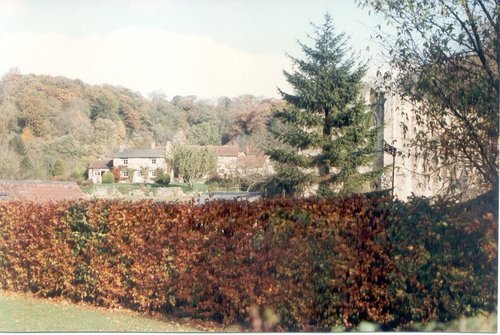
[316,263]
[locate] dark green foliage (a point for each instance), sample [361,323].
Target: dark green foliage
[290,181]
[58,168]
[446,257]
[103,105]
[217,183]
[17,145]
[319,264]
[108,178]
[163,179]
[326,129]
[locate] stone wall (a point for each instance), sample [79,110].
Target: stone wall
[412,175]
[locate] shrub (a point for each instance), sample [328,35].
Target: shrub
[108,178]
[163,179]
[216,183]
[318,264]
[58,168]
[446,257]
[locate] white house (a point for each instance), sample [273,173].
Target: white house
[140,165]
[131,165]
[98,168]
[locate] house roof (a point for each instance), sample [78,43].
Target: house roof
[141,153]
[102,164]
[251,150]
[251,162]
[225,150]
[39,191]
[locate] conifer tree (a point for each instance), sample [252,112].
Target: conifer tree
[326,129]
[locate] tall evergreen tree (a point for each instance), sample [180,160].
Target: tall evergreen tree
[326,129]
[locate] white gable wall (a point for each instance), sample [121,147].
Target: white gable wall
[137,164]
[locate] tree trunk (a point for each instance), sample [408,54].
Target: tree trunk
[324,168]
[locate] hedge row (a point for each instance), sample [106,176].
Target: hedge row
[316,263]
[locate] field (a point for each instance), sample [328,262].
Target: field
[24,313]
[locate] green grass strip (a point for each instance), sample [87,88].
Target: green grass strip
[20,313]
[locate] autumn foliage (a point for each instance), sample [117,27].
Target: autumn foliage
[316,263]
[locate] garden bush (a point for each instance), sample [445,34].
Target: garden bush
[318,264]
[446,256]
[108,178]
[163,179]
[217,183]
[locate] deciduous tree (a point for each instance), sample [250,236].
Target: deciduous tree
[206,133]
[192,162]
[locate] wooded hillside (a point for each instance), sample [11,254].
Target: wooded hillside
[53,127]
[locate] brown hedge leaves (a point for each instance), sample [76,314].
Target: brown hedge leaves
[316,263]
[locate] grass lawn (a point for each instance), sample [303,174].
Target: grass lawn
[22,313]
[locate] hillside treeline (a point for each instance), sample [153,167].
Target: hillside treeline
[53,127]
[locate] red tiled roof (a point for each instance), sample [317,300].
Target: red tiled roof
[39,191]
[225,150]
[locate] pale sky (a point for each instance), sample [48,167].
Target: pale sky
[208,48]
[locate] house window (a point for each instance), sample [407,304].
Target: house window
[153,160]
[125,161]
[97,173]
[152,173]
[124,173]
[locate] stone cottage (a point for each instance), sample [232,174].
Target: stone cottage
[132,165]
[140,165]
[227,159]
[98,168]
